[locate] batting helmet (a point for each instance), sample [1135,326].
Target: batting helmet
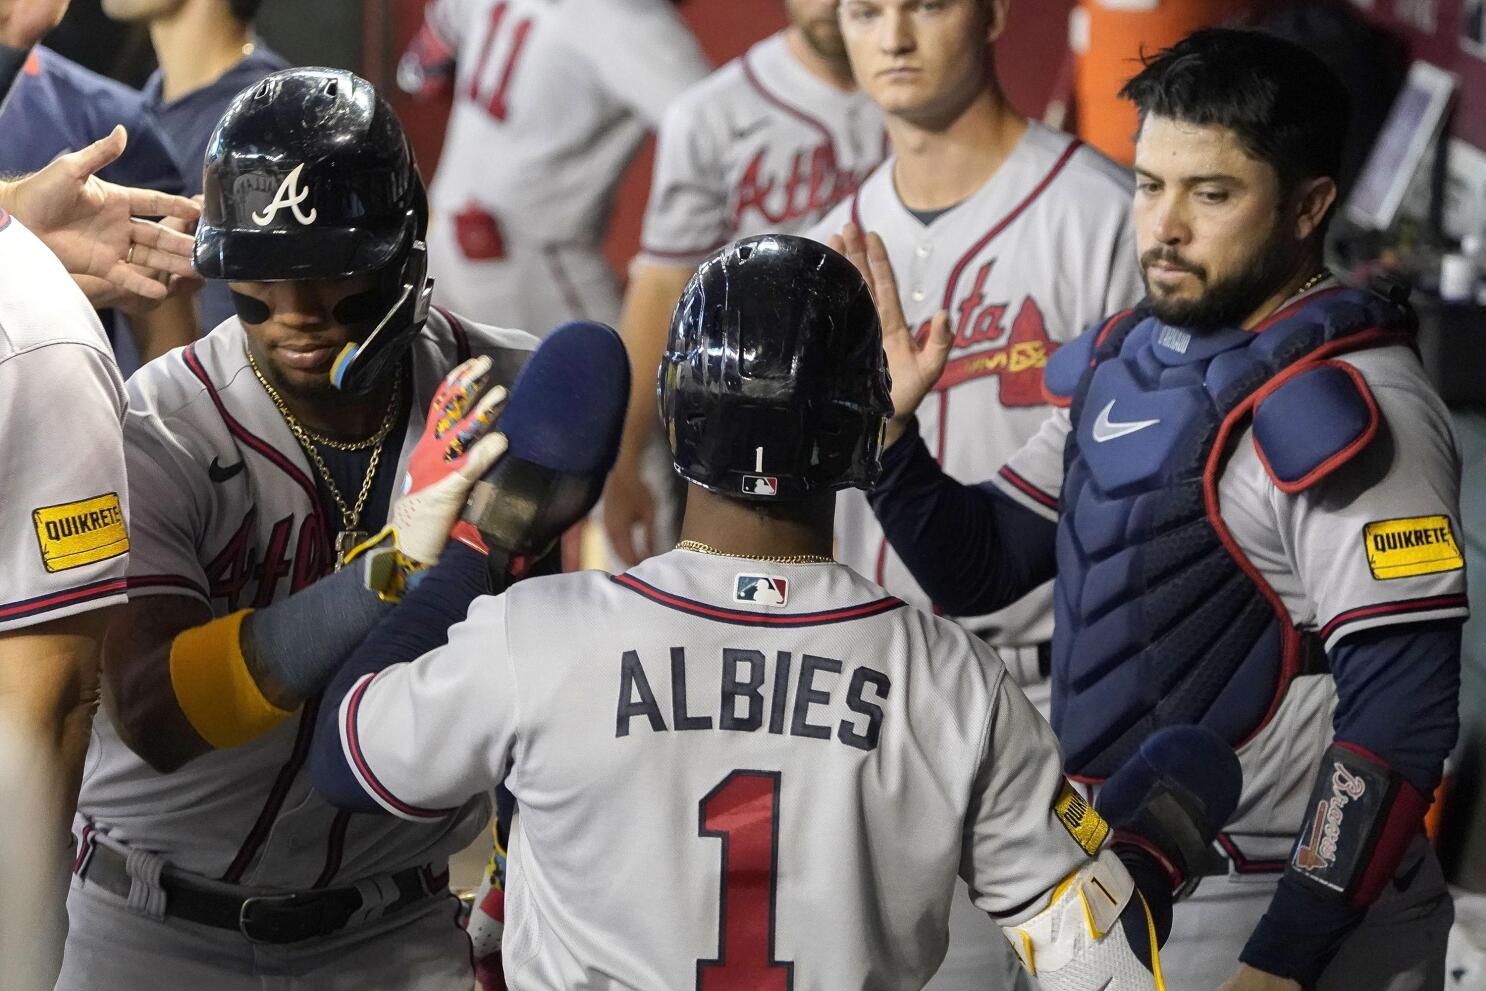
[774,384]
[309,175]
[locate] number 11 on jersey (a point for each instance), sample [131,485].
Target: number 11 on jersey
[743,812]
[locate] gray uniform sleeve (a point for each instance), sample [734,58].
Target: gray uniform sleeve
[641,50]
[457,701]
[170,512]
[1025,832]
[1033,476]
[65,531]
[1379,542]
[687,215]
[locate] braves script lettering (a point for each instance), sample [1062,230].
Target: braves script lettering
[983,348]
[1319,848]
[815,183]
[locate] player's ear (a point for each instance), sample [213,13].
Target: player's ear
[1313,198]
[995,12]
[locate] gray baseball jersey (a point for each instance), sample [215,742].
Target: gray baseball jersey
[552,99]
[1042,250]
[761,145]
[1318,553]
[730,773]
[62,405]
[229,515]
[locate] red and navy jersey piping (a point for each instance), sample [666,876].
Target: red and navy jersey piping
[740,617]
[1433,603]
[373,784]
[51,601]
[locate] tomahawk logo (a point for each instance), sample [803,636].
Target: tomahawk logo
[289,195]
[1317,850]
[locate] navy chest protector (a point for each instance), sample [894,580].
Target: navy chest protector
[1160,619]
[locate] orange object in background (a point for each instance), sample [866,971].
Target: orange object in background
[1107,38]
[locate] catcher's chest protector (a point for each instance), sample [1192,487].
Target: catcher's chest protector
[1160,619]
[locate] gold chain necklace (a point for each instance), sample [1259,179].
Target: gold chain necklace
[1312,282]
[349,536]
[701,548]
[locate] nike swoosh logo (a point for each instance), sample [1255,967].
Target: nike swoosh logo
[217,473]
[739,133]
[1106,429]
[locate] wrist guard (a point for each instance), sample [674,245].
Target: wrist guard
[1362,815]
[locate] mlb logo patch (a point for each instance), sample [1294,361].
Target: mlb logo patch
[761,590]
[764,485]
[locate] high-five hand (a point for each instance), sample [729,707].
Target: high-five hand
[914,367]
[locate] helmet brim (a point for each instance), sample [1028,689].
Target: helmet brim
[283,254]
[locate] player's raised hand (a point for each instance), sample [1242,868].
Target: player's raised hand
[459,444]
[93,226]
[914,367]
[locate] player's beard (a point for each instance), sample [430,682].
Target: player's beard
[1224,302]
[824,39]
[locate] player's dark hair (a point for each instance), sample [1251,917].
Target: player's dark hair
[1282,102]
[245,10]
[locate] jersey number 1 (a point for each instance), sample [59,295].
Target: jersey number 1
[743,812]
[479,89]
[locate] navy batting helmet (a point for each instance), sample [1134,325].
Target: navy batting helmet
[309,175]
[774,384]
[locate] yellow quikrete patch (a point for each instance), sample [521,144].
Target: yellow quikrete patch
[1086,826]
[1417,545]
[77,533]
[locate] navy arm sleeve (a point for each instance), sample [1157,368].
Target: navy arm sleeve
[420,623]
[1398,696]
[969,547]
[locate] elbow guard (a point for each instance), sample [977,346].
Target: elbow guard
[214,688]
[1094,934]
[1362,817]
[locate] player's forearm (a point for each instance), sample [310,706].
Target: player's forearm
[1396,721]
[418,624]
[48,693]
[170,325]
[970,548]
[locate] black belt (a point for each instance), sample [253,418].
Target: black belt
[287,917]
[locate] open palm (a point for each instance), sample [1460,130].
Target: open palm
[914,368]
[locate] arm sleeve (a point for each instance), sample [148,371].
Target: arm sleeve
[1017,848]
[641,50]
[970,547]
[65,528]
[415,687]
[687,214]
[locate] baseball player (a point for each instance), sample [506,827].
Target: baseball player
[551,101]
[1250,499]
[66,534]
[768,143]
[68,526]
[769,751]
[1017,237]
[253,475]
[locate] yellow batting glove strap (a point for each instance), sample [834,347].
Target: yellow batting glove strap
[214,687]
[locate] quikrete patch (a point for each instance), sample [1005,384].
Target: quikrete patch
[1418,545]
[1086,826]
[78,533]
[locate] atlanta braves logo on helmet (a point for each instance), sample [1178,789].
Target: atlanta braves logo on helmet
[289,195]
